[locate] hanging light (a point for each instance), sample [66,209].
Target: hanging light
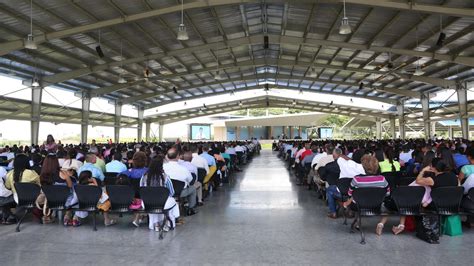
[35,82]
[294,102]
[418,72]
[313,73]
[301,91]
[240,103]
[30,39]
[345,27]
[182,33]
[218,75]
[121,80]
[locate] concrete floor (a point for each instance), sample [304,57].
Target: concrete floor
[260,219]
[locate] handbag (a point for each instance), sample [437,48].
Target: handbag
[136,204]
[410,223]
[452,225]
[427,228]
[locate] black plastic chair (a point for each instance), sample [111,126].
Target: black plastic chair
[178,187]
[408,200]
[27,194]
[154,200]
[120,197]
[88,197]
[368,203]
[110,178]
[3,161]
[194,178]
[201,175]
[393,179]
[469,197]
[343,184]
[447,200]
[57,196]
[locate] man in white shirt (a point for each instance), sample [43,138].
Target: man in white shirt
[348,167]
[323,161]
[186,162]
[180,173]
[197,160]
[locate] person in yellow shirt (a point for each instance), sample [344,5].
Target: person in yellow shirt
[21,173]
[388,164]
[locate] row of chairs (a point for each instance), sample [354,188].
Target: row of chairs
[446,201]
[154,199]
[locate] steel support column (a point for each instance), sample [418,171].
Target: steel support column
[401,119]
[393,133]
[147,131]
[160,131]
[425,106]
[118,118]
[463,114]
[141,111]
[86,103]
[36,96]
[378,128]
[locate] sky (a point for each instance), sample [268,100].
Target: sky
[20,130]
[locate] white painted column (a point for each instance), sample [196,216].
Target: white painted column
[393,133]
[425,106]
[86,103]
[378,128]
[401,119]
[36,97]
[160,131]
[118,118]
[147,130]
[463,114]
[141,111]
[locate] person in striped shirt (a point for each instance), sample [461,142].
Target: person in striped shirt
[370,179]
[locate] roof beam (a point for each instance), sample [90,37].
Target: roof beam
[282,62]
[405,93]
[7,47]
[280,102]
[247,88]
[258,39]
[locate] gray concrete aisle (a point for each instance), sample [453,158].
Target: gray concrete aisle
[262,218]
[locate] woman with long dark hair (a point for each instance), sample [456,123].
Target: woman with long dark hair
[21,174]
[156,177]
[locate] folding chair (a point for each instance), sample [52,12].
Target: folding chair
[154,199]
[88,197]
[27,194]
[368,203]
[57,196]
[408,200]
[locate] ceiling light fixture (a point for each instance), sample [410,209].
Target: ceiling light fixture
[121,80]
[418,71]
[30,39]
[301,91]
[240,103]
[182,33]
[98,49]
[35,82]
[345,27]
[294,102]
[442,35]
[313,73]
[218,75]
